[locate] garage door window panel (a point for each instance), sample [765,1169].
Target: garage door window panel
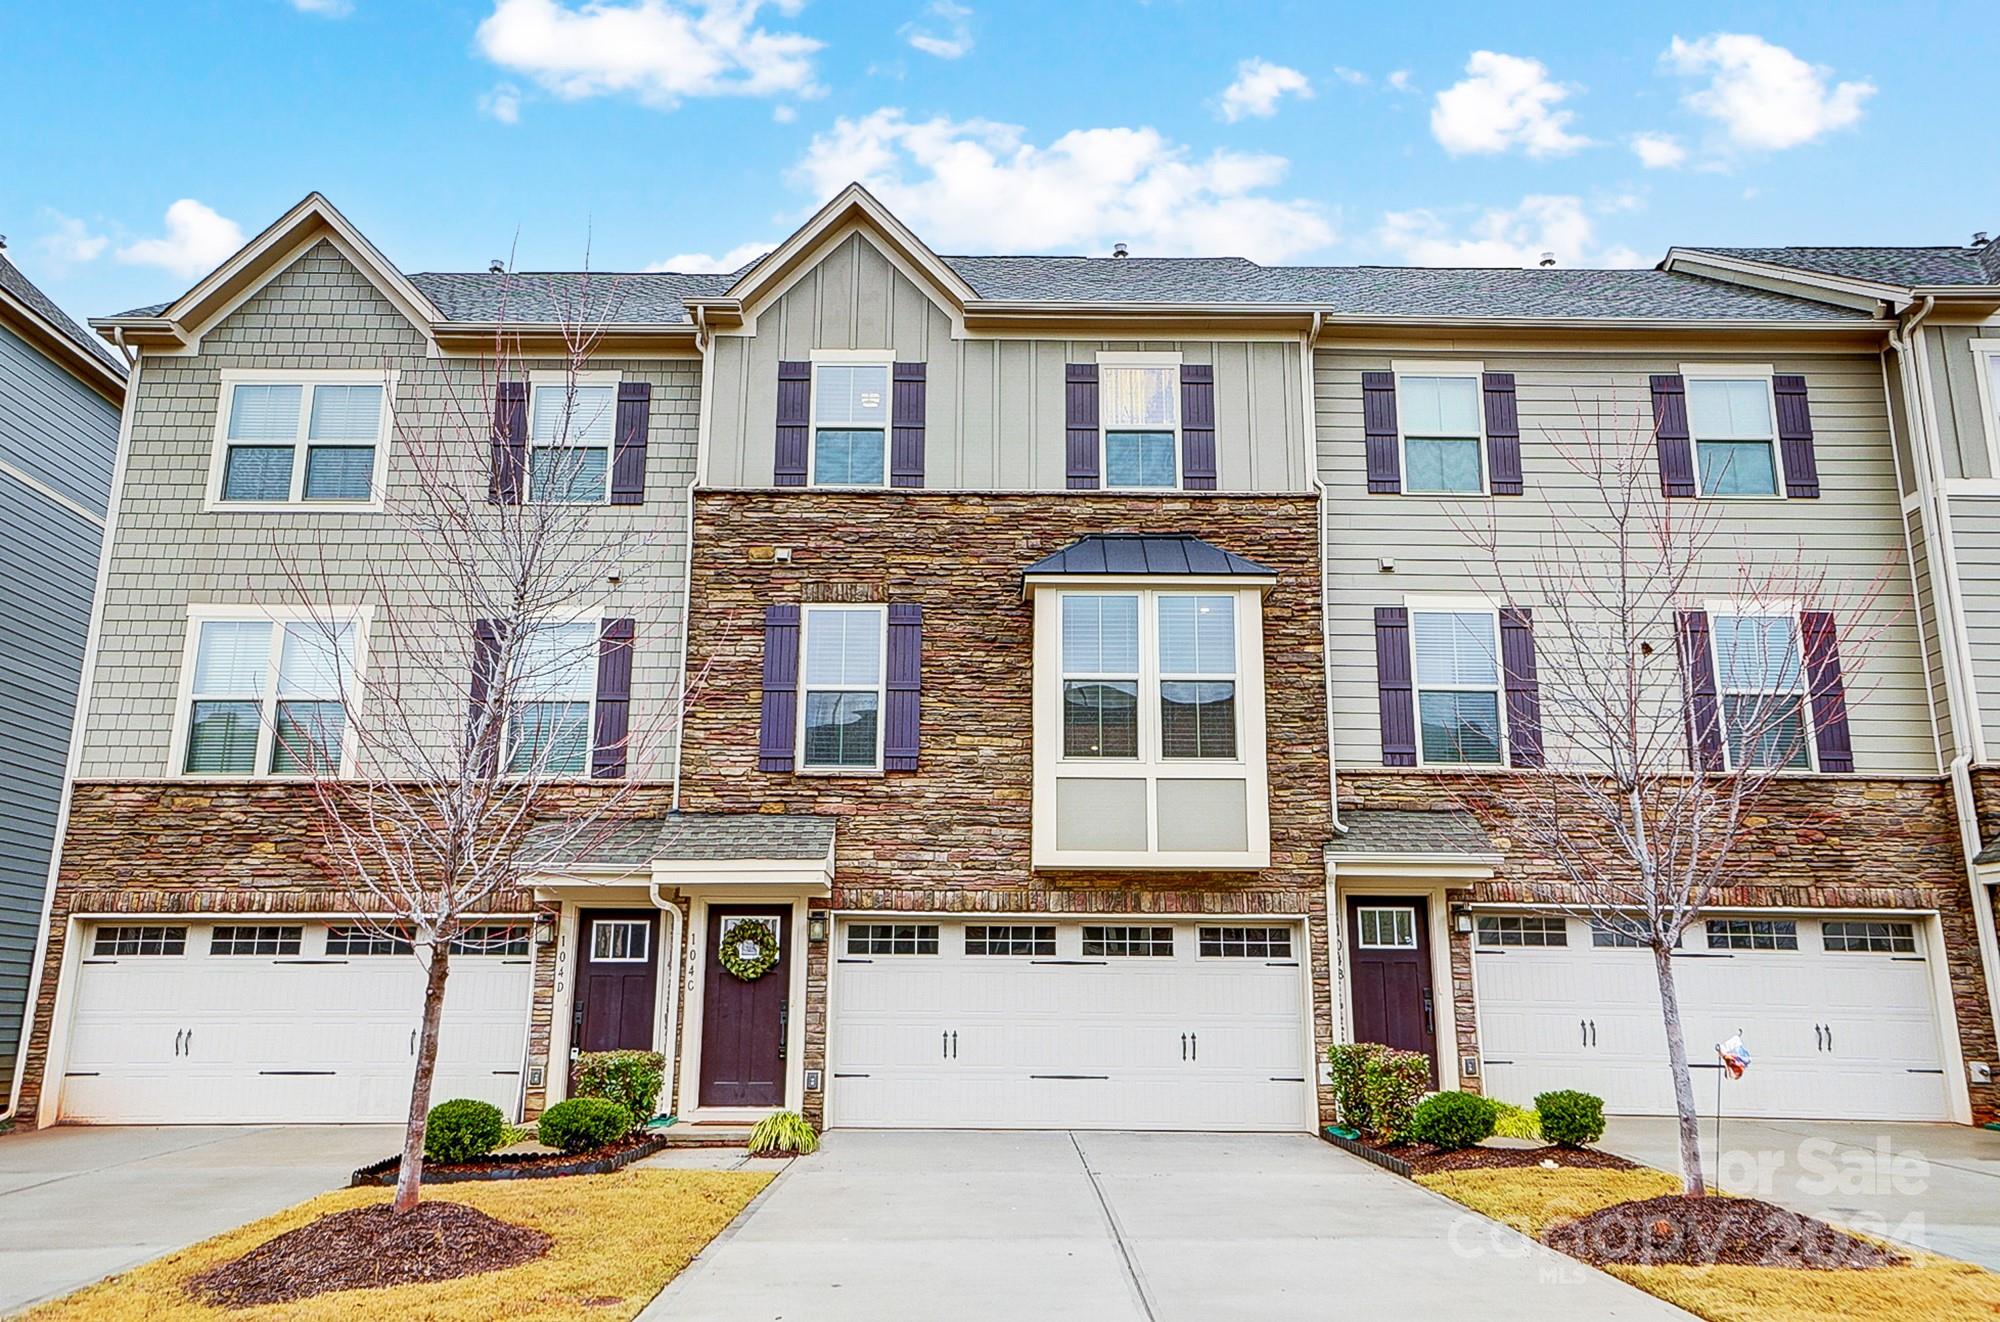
[892,939]
[1752,934]
[122,942]
[1503,930]
[360,942]
[1120,942]
[504,939]
[257,940]
[1870,938]
[991,940]
[1246,943]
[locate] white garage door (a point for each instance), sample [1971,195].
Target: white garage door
[1839,1015]
[1127,1024]
[203,1023]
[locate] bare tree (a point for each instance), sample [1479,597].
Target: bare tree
[1661,727]
[471,731]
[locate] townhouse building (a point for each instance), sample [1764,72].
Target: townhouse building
[1098,713]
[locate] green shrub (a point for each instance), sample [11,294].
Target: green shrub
[1453,1120]
[1570,1119]
[583,1123]
[1511,1121]
[783,1131]
[1348,1067]
[462,1130]
[630,1078]
[1391,1086]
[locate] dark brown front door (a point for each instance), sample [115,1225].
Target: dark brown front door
[617,979]
[743,1023]
[1389,953]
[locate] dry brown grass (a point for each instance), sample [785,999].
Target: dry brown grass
[618,1239]
[1929,1289]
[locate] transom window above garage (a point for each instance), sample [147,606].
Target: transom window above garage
[1522,930]
[121,941]
[1872,938]
[892,938]
[1752,934]
[987,939]
[1118,942]
[263,939]
[1386,928]
[1246,942]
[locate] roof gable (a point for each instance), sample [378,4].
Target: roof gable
[34,316]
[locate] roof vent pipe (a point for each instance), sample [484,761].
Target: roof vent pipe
[496,267]
[1119,250]
[1979,238]
[1548,259]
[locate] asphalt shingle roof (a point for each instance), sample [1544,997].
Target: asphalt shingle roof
[1411,831]
[706,837]
[1145,553]
[24,289]
[652,298]
[1890,266]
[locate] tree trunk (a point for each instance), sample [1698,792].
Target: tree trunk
[409,1175]
[1693,1185]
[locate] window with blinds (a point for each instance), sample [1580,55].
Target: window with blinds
[1442,435]
[1760,679]
[269,696]
[555,683]
[1139,412]
[570,430]
[1457,672]
[300,442]
[850,425]
[841,678]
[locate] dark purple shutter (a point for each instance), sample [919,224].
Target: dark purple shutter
[1795,437]
[1197,427]
[1670,433]
[1392,684]
[794,422]
[614,699]
[1704,714]
[628,445]
[1378,423]
[1829,695]
[1503,435]
[1080,420]
[1524,692]
[778,733]
[906,420]
[483,741]
[905,687]
[509,462]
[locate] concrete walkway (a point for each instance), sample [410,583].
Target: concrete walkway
[1935,1187]
[79,1204]
[1102,1226]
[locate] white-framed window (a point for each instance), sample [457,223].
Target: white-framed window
[119,942]
[1246,943]
[1752,933]
[261,939]
[1733,426]
[1139,421]
[1128,942]
[358,942]
[1011,939]
[1441,423]
[492,939]
[554,691]
[301,439]
[892,938]
[851,415]
[1385,927]
[572,422]
[1522,930]
[1761,687]
[1100,674]
[1188,678]
[840,681]
[620,940]
[1455,655]
[1869,937]
[267,696]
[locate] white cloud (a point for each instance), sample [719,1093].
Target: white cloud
[196,241]
[1399,81]
[69,241]
[1352,77]
[976,185]
[1764,96]
[1509,101]
[502,103]
[1503,236]
[693,262]
[957,34]
[654,50]
[1258,86]
[1658,151]
[324,8]
[783,114]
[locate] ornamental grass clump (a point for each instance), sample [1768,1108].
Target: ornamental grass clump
[783,1133]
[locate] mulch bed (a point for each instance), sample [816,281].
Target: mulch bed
[1427,1160]
[527,1165]
[370,1248]
[1674,1230]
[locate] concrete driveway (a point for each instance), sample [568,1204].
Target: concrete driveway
[971,1226]
[1935,1187]
[81,1203]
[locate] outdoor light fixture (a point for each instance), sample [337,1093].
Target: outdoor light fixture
[816,926]
[545,929]
[1461,918]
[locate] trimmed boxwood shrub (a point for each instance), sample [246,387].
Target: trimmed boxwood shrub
[632,1079]
[462,1129]
[583,1123]
[1570,1119]
[1453,1120]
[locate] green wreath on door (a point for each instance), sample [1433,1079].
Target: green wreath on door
[744,933]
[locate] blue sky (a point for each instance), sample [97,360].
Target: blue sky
[144,141]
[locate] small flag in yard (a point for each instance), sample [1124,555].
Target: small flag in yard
[1735,1056]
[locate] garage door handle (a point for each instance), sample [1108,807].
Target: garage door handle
[944,1046]
[413,1041]
[1593,1032]
[1829,1037]
[954,1044]
[1583,1032]
[188,1046]
[177,1041]
[1819,1037]
[1183,1046]
[1194,1046]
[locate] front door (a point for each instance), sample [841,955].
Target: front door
[617,980]
[743,1023]
[1389,954]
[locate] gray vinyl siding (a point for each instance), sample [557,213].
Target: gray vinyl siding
[1975,526]
[168,554]
[1927,628]
[1854,529]
[1954,370]
[994,407]
[63,435]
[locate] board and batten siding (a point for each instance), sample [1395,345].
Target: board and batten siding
[1975,527]
[1854,529]
[59,433]
[1954,382]
[994,406]
[168,553]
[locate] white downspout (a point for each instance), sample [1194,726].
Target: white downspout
[703,338]
[670,1048]
[1325,602]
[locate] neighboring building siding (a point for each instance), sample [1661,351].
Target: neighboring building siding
[1954,383]
[994,406]
[1854,529]
[168,553]
[1975,528]
[64,435]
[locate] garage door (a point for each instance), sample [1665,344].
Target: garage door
[1120,1025]
[1839,1015]
[201,1023]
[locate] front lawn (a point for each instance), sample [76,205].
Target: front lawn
[617,1240]
[1532,1199]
